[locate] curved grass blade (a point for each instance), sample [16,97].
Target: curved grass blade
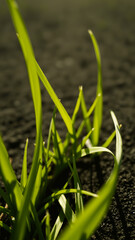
[98,109]
[95,210]
[35,88]
[56,100]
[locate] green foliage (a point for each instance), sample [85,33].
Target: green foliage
[29,203]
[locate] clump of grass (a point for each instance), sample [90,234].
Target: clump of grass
[29,202]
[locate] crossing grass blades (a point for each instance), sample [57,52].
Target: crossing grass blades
[28,201]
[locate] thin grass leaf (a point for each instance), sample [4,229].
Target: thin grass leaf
[57,102]
[81,145]
[9,179]
[67,210]
[70,190]
[95,210]
[37,222]
[57,226]
[92,150]
[57,142]
[84,111]
[35,88]
[47,226]
[77,185]
[77,106]
[87,115]
[24,167]
[109,139]
[98,109]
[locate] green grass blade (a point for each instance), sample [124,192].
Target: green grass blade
[95,210]
[47,226]
[56,100]
[77,106]
[118,139]
[37,222]
[9,178]
[24,167]
[35,88]
[86,116]
[57,226]
[67,210]
[81,145]
[57,142]
[98,110]
[68,191]
[84,111]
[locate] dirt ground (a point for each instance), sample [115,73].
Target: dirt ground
[59,33]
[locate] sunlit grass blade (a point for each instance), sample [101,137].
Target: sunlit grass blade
[77,185]
[9,178]
[35,88]
[97,121]
[95,210]
[84,111]
[77,106]
[24,167]
[109,139]
[47,226]
[57,226]
[81,145]
[67,210]
[92,150]
[55,195]
[118,139]
[57,102]
[86,115]
[57,142]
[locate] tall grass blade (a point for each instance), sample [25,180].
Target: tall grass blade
[35,88]
[98,110]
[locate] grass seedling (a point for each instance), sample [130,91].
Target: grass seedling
[30,203]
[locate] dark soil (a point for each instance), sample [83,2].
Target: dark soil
[63,48]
